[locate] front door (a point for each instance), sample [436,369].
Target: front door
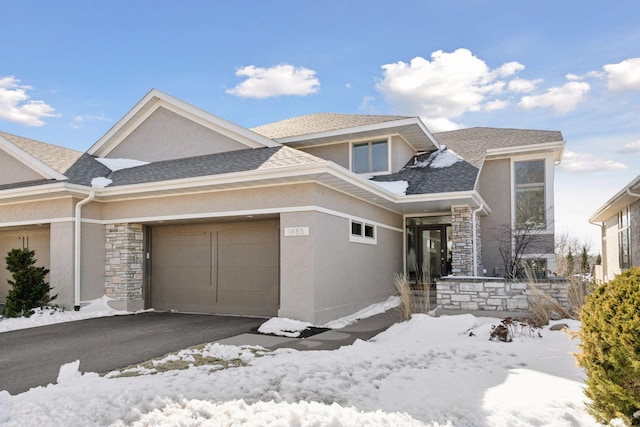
[428,252]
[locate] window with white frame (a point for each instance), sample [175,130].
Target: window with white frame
[530,207]
[624,231]
[370,157]
[362,232]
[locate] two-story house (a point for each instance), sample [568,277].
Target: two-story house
[307,218]
[619,222]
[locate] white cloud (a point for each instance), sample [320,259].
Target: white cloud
[561,98]
[16,105]
[584,162]
[624,75]
[366,104]
[283,79]
[631,148]
[444,88]
[519,85]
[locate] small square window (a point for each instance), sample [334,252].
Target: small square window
[362,232]
[368,231]
[356,228]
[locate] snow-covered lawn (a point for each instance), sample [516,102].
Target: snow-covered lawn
[427,371]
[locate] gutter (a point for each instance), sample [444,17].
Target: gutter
[77,252]
[474,238]
[629,192]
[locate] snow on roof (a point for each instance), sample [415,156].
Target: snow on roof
[396,187]
[119,164]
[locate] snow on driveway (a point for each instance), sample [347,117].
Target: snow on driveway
[427,371]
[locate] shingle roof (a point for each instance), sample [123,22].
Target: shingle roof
[59,158]
[320,122]
[88,168]
[460,176]
[473,143]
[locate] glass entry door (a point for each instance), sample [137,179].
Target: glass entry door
[428,252]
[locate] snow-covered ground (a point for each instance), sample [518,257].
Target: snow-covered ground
[427,371]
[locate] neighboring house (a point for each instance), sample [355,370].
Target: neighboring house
[308,218]
[619,222]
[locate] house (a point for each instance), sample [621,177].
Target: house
[619,222]
[309,218]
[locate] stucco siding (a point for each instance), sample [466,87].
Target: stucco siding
[92,261]
[337,153]
[11,170]
[495,188]
[166,135]
[36,211]
[401,153]
[62,263]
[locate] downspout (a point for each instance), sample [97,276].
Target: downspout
[474,243]
[78,240]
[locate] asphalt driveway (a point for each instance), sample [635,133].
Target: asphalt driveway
[32,357]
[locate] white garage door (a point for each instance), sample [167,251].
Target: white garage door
[216,268]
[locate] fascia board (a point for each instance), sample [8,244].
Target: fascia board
[366,128]
[44,189]
[156,99]
[29,161]
[557,147]
[611,206]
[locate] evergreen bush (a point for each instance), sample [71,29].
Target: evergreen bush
[28,287]
[610,336]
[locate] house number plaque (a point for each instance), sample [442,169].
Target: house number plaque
[296,231]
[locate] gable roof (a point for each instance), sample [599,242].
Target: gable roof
[474,144]
[156,99]
[326,128]
[629,194]
[50,161]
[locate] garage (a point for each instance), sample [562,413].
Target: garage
[224,268]
[36,239]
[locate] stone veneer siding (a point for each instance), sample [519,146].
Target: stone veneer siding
[462,240]
[124,261]
[494,294]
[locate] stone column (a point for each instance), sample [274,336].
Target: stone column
[462,239]
[124,250]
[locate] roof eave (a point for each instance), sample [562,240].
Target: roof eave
[627,195]
[557,147]
[30,161]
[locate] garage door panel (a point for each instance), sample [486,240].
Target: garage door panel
[216,268]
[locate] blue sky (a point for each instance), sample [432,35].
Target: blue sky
[70,69]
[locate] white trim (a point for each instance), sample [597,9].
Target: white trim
[156,99]
[245,212]
[362,238]
[36,222]
[557,147]
[30,161]
[549,202]
[370,143]
[365,128]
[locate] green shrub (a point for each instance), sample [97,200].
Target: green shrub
[28,287]
[610,336]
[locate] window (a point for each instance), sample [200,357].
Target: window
[529,193]
[624,232]
[361,232]
[535,268]
[370,157]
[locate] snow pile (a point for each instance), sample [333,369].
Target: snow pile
[365,313]
[48,316]
[101,182]
[442,158]
[119,164]
[396,187]
[284,327]
[427,371]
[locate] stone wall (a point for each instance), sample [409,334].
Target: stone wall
[494,294]
[124,261]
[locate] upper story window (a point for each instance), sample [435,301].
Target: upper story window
[370,157]
[530,207]
[624,235]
